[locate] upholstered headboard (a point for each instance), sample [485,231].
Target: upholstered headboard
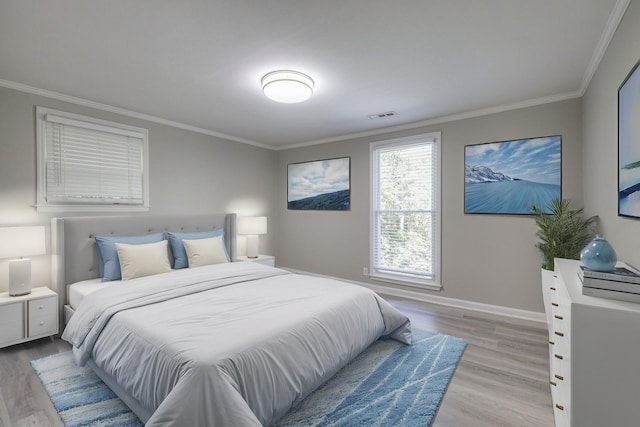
[75,257]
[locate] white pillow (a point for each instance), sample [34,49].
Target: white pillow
[205,251]
[143,260]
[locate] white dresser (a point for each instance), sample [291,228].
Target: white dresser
[28,317]
[594,353]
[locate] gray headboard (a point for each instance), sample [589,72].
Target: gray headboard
[75,257]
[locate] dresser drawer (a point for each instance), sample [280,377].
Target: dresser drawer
[560,391]
[561,415]
[11,322]
[43,316]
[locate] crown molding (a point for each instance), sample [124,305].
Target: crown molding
[610,29]
[615,18]
[117,110]
[440,120]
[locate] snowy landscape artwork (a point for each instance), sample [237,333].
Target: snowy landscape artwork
[629,145]
[509,177]
[319,185]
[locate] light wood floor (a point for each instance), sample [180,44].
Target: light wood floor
[503,376]
[502,379]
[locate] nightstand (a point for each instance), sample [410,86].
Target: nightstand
[262,259]
[28,317]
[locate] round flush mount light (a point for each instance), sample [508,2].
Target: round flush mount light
[287,86]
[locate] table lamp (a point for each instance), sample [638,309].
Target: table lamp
[252,227]
[21,242]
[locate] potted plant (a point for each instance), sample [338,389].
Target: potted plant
[562,233]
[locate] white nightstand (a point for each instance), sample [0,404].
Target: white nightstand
[28,317]
[262,259]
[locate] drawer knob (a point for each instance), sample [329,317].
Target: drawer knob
[558,317]
[41,323]
[559,406]
[552,288]
[41,307]
[558,356]
[560,334]
[555,304]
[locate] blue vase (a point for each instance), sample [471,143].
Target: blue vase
[599,255]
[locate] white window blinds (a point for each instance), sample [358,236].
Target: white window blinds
[404,209]
[89,163]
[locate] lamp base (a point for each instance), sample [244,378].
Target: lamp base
[19,277]
[252,246]
[21,294]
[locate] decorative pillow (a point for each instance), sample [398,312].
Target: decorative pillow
[179,255]
[143,260]
[205,251]
[108,263]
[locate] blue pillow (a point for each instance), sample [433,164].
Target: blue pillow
[180,259]
[108,262]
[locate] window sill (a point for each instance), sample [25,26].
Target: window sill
[402,280]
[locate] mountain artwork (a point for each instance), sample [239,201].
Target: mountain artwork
[319,185]
[510,177]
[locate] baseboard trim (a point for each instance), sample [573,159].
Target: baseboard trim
[435,299]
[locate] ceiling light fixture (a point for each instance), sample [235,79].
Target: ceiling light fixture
[287,86]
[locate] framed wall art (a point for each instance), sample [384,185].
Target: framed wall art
[629,145]
[323,185]
[508,177]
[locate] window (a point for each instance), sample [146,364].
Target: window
[86,164]
[405,235]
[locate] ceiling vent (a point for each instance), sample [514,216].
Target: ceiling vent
[383,115]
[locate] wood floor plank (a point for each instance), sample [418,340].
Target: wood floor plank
[21,391]
[502,378]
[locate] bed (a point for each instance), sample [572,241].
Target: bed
[235,343]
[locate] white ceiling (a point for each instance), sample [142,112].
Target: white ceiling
[199,62]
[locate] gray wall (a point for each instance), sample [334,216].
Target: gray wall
[600,127]
[485,258]
[189,172]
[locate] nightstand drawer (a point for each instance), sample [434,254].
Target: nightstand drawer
[43,316]
[44,326]
[11,322]
[43,307]
[261,259]
[268,261]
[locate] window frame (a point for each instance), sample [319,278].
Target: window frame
[398,278]
[43,205]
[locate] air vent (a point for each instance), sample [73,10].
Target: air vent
[383,115]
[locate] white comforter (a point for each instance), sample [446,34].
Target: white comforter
[235,344]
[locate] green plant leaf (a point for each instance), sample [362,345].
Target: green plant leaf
[562,233]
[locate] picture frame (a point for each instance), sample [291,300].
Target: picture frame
[629,145]
[509,177]
[322,185]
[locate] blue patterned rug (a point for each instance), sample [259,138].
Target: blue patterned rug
[389,384]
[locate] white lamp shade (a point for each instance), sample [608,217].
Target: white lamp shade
[22,241]
[252,225]
[287,86]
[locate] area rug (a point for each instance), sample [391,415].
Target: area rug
[389,384]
